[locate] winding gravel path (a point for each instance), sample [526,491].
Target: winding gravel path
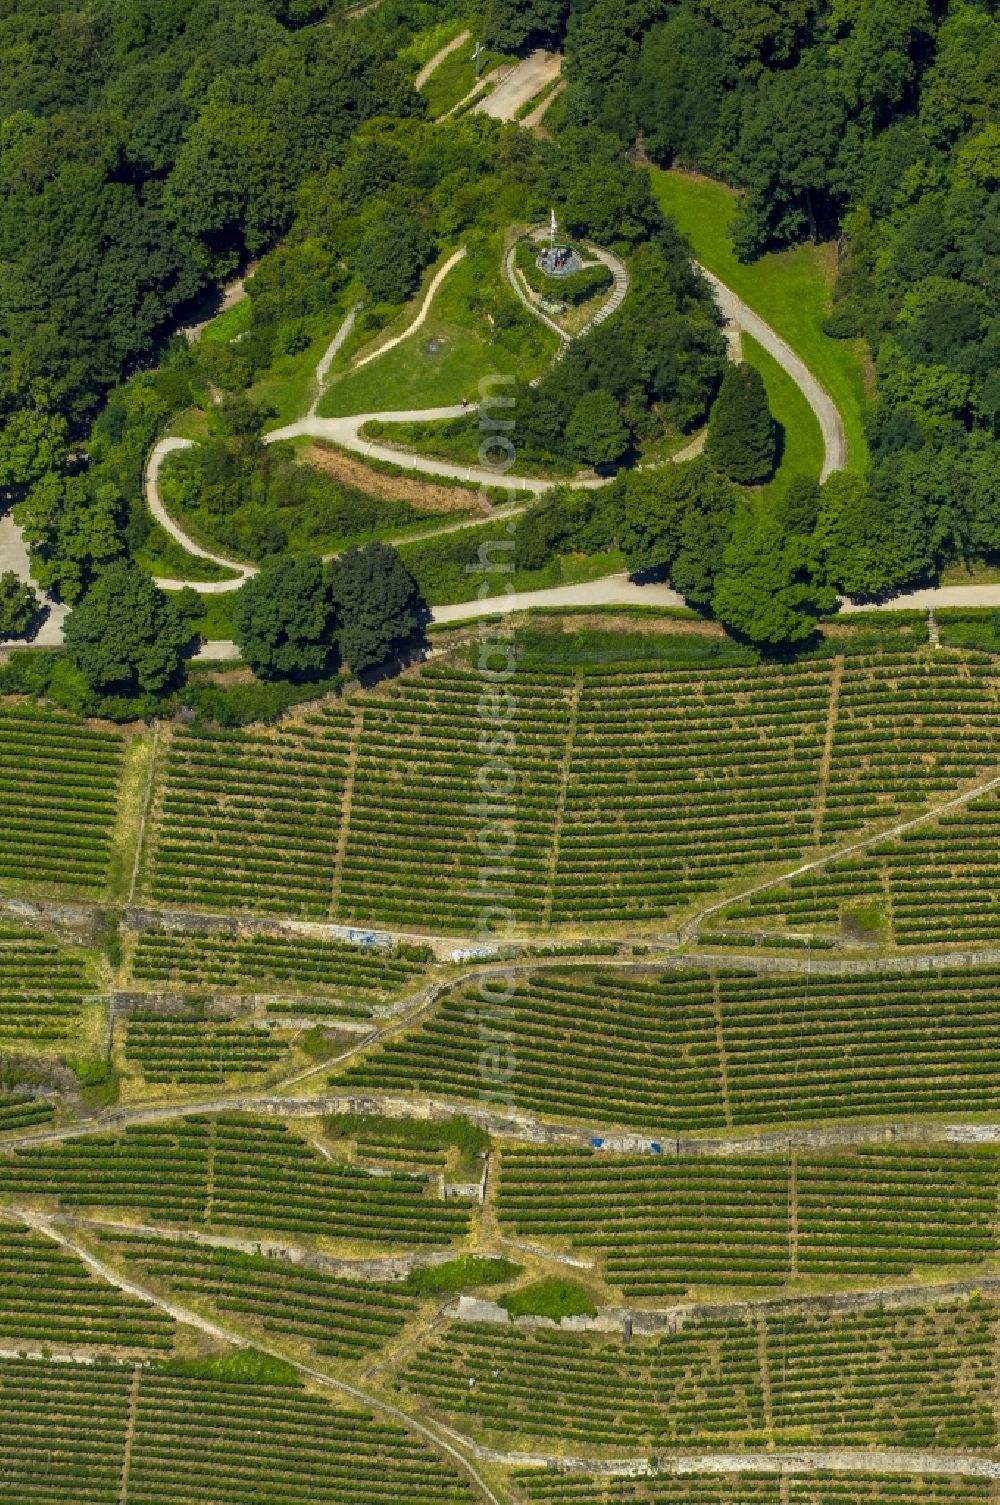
[421,318]
[439,57]
[741,316]
[326,359]
[346,433]
[611,590]
[160,515]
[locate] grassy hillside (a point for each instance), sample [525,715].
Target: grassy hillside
[790,289]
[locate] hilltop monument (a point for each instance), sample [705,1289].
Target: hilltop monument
[557,260]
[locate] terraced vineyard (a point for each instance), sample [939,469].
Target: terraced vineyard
[547,1487]
[336,1318]
[18,1110]
[935,886]
[43,988]
[695,1049]
[908,731]
[251,820]
[49,1297]
[822,1046]
[639,790]
[63,1430]
[192,1051]
[920,1378]
[827,1282]
[664,1227]
[123,1435]
[234,1172]
[678,782]
[260,962]
[59,780]
[412,856]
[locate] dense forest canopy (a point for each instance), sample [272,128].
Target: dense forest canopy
[145,149]
[877,123]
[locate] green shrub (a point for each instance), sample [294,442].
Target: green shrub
[414,1133]
[468,1272]
[252,701]
[575,289]
[550,1298]
[245,1365]
[970,629]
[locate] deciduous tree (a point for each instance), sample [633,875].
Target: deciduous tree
[761,32]
[510,23]
[597,433]
[378,603]
[284,619]
[31,444]
[126,637]
[18,606]
[767,591]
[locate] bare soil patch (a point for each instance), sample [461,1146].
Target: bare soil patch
[429,495]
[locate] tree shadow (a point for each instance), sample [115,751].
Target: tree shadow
[780,445]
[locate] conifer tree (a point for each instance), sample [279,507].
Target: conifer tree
[741,431]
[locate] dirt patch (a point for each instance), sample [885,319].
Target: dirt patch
[608,621]
[428,495]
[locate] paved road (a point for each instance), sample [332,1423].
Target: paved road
[521,85]
[743,317]
[935,598]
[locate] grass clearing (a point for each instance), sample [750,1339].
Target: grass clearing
[550,1298]
[469,1272]
[290,385]
[445,359]
[131,804]
[216,621]
[428,42]
[229,324]
[790,289]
